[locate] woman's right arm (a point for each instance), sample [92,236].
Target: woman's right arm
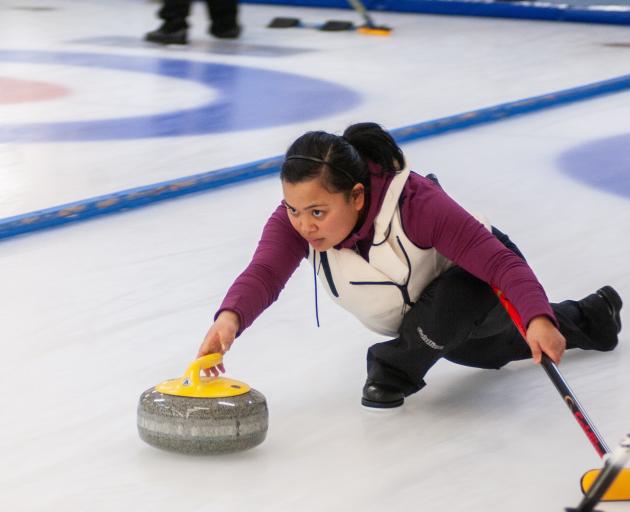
[279,252]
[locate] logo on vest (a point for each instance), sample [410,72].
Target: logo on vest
[428,341]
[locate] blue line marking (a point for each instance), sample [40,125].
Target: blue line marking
[249,98]
[603,164]
[134,198]
[514,108]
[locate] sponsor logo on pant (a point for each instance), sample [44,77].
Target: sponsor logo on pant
[428,341]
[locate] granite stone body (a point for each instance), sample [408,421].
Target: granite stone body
[202,425]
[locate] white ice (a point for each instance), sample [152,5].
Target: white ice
[93,314]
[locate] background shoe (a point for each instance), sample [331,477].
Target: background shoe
[229,33]
[381,396]
[165,36]
[614,302]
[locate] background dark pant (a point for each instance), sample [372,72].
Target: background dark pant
[221,12]
[458,317]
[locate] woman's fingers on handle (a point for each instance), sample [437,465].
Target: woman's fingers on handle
[553,344]
[219,339]
[536,352]
[556,349]
[555,357]
[215,370]
[213,343]
[210,345]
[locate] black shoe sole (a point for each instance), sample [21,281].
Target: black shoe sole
[382,405]
[233,33]
[166,38]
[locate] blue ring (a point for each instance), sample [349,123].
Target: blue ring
[248,99]
[601,164]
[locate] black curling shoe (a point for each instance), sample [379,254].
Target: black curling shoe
[381,396]
[165,36]
[614,303]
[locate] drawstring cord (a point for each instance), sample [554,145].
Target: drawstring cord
[315,279]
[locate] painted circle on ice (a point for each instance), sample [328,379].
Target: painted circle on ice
[13,90]
[248,98]
[603,164]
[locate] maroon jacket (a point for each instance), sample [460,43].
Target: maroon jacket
[430,218]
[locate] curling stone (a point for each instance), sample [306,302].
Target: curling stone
[202,415]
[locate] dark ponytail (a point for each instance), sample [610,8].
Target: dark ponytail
[375,144]
[341,162]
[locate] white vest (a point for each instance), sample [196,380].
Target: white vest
[381,291]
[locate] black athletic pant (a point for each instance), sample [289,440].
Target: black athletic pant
[458,317]
[221,12]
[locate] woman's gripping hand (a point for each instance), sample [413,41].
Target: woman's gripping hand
[219,338]
[544,337]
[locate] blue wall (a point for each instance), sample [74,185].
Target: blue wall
[498,9]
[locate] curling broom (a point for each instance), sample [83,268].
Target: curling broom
[619,489]
[608,480]
[370,28]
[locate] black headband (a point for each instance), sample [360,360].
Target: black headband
[324,162]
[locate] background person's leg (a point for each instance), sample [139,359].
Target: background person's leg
[174,13]
[174,29]
[223,17]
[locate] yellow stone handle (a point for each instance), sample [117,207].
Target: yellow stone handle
[191,376]
[193,385]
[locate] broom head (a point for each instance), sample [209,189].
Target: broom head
[618,491]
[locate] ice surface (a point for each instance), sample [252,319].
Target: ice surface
[95,313]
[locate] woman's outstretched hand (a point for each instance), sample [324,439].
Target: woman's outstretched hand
[544,337]
[219,338]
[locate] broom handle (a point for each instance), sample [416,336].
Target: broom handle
[360,8]
[561,385]
[575,407]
